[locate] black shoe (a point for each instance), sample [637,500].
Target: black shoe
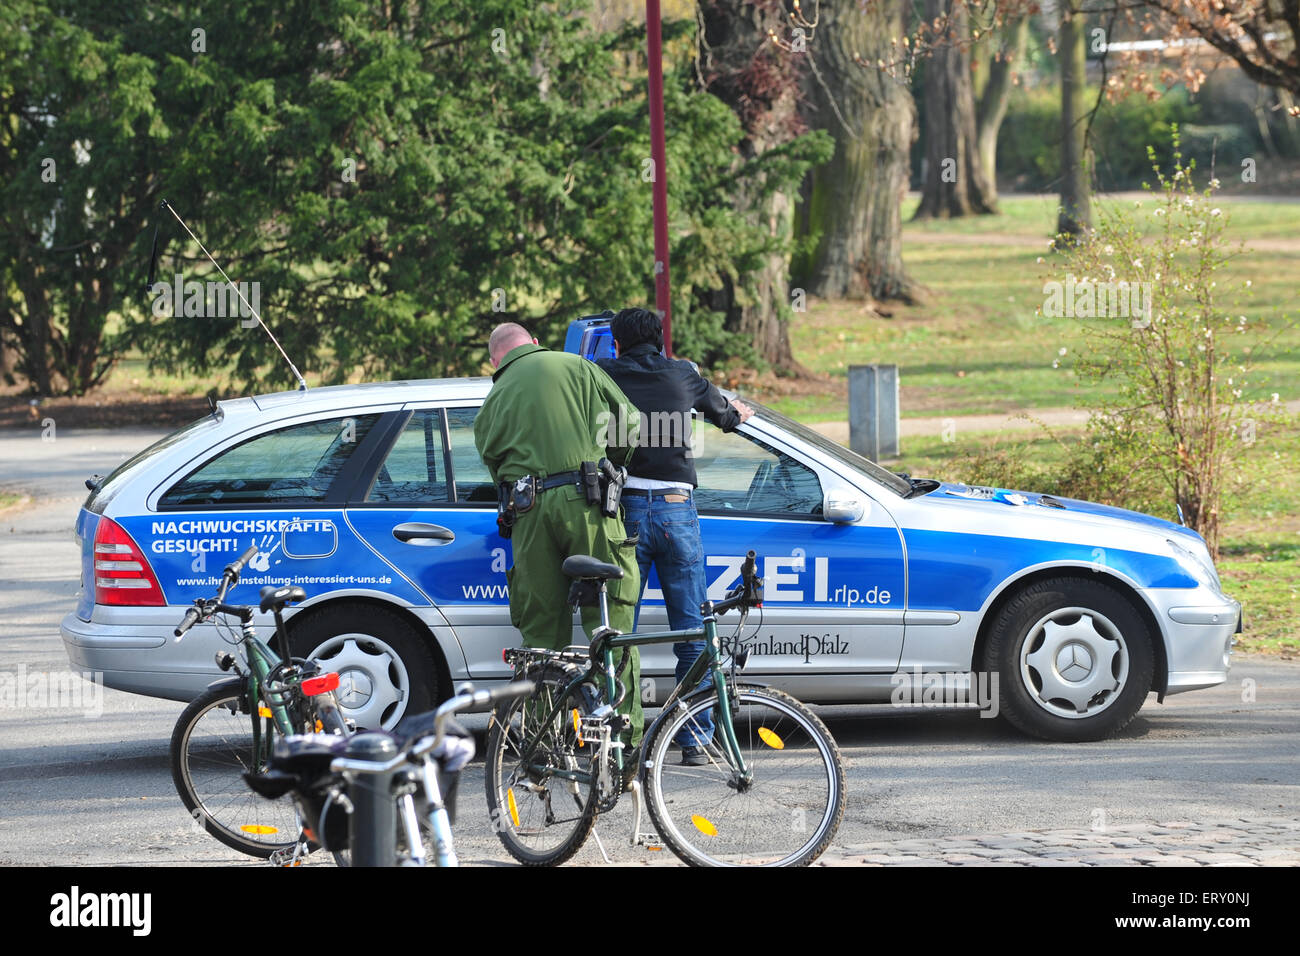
[694,757]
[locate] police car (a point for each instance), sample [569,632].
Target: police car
[1060,615]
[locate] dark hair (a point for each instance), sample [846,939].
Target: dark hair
[633,327]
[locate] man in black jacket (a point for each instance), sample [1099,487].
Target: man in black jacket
[658,499]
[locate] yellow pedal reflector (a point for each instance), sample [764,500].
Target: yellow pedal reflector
[320,727]
[704,826]
[577,726]
[771,739]
[512,806]
[263,710]
[258,828]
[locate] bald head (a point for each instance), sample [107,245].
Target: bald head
[507,336]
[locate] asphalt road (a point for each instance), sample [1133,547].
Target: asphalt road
[96,789]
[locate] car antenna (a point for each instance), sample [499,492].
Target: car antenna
[302,383]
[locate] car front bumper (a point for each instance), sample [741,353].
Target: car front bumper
[1200,627]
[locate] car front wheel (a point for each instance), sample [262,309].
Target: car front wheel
[386,670]
[1074,659]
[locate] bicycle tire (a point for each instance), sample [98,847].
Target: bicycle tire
[211,748]
[542,820]
[707,819]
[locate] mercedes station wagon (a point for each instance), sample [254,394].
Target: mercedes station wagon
[1059,615]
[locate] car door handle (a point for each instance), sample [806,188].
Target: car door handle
[416,532]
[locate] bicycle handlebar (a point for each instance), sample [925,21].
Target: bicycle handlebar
[191,618]
[234,567]
[471,701]
[204,609]
[750,592]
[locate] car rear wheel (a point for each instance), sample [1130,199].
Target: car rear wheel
[386,670]
[1074,659]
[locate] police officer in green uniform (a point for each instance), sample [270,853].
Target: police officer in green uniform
[547,413]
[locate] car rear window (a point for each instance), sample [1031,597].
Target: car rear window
[119,477]
[295,464]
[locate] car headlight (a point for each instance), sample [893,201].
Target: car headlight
[1199,565]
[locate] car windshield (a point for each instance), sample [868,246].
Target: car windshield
[896,484]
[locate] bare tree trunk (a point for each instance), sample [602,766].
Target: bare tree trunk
[1076,192]
[992,106]
[956,183]
[8,360]
[760,83]
[855,200]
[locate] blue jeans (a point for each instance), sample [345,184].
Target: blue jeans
[669,538]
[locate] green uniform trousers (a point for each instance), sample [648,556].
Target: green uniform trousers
[560,524]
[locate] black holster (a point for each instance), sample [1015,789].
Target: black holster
[505,513]
[513,499]
[612,479]
[590,476]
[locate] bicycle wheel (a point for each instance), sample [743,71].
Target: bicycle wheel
[788,813]
[211,748]
[543,808]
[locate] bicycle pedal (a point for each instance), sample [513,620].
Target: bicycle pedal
[290,856]
[592,730]
[650,841]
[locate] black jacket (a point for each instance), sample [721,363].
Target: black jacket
[665,390]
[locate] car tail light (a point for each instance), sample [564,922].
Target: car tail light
[123,577]
[319,685]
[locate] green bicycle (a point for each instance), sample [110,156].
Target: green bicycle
[231,727]
[771,792]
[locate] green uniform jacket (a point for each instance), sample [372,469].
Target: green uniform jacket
[555,411]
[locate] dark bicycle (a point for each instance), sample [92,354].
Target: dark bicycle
[230,728]
[771,791]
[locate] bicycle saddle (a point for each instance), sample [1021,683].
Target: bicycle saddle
[422,725]
[584,566]
[274,598]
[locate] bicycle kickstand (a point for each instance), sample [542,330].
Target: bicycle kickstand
[650,841]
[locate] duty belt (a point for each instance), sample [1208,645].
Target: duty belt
[560,480]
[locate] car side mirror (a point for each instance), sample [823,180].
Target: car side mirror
[842,510]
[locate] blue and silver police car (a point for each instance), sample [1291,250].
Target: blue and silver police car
[1058,614]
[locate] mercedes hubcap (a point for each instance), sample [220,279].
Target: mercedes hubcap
[1074,662]
[374,685]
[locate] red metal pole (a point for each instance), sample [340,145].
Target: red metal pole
[655,56]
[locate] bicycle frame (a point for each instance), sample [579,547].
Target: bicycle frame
[710,660]
[261,662]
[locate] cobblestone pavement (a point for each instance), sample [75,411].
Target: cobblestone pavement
[1255,841]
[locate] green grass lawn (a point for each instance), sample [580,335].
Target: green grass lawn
[978,346]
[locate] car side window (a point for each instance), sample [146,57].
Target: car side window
[410,473]
[473,483]
[742,475]
[294,464]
